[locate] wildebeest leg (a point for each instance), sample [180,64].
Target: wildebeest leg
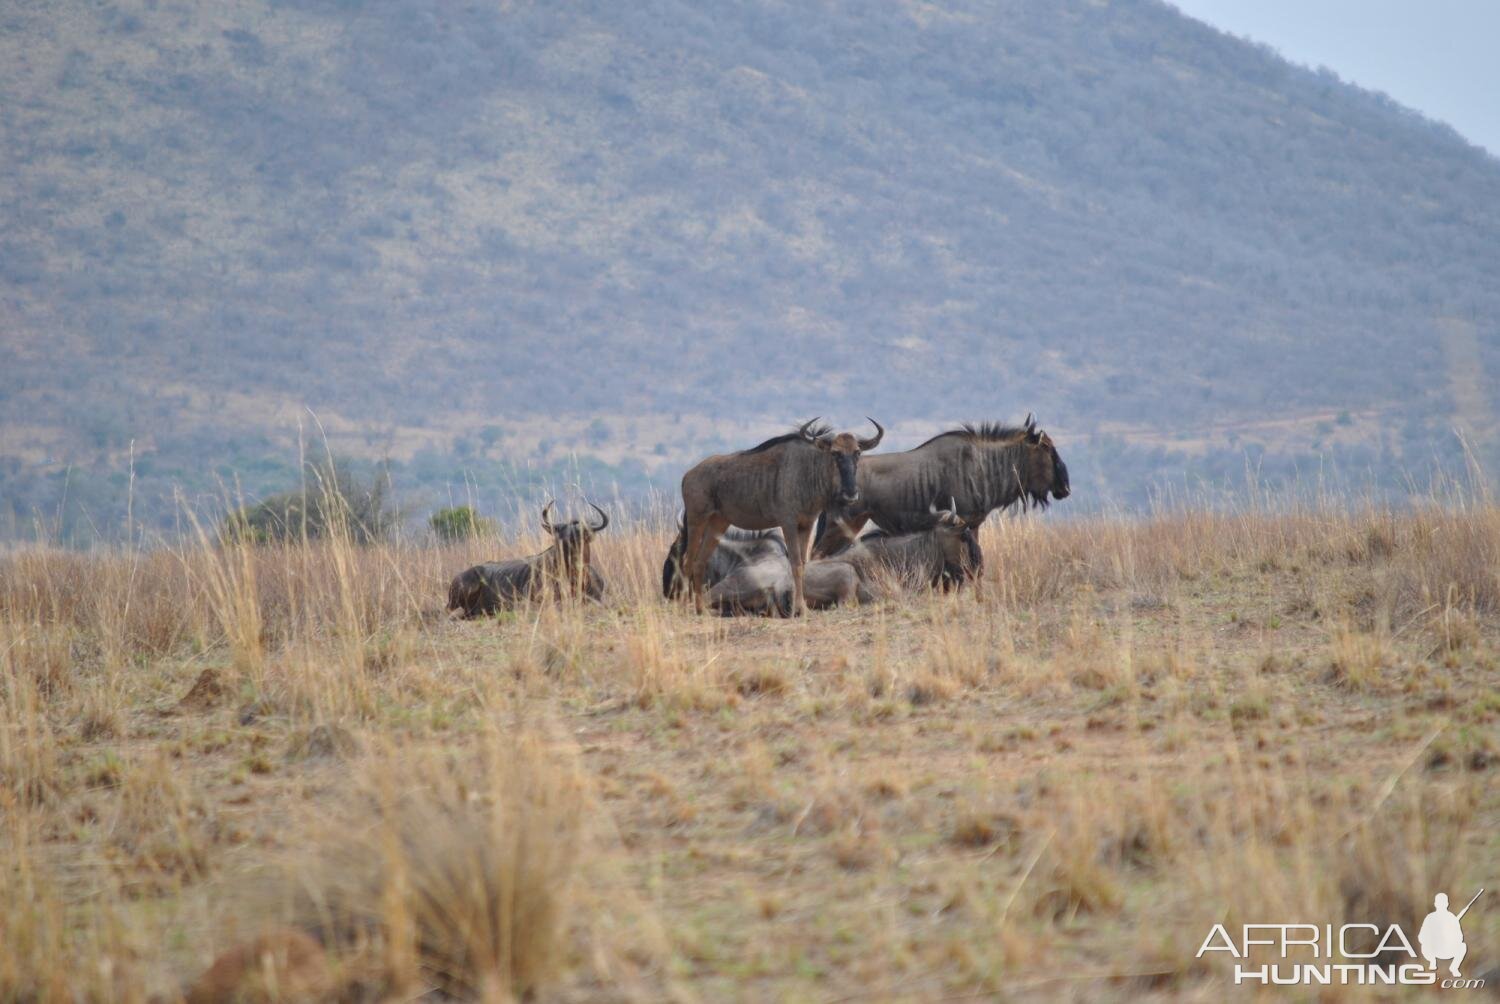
[703,537]
[798,535]
[841,532]
[975,522]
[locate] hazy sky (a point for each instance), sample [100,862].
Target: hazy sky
[1437,56]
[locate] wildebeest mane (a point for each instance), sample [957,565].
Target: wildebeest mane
[985,432]
[817,432]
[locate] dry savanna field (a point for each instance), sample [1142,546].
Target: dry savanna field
[287,758]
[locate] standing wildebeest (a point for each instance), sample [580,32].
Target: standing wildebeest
[486,588]
[784,482]
[981,468]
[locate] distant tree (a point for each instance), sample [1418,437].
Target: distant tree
[459,523]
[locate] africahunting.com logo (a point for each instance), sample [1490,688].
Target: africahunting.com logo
[1351,954]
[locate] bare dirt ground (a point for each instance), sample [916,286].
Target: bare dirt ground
[1048,788]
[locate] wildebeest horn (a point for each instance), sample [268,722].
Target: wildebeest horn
[870,444]
[603,518]
[808,425]
[945,515]
[547,523]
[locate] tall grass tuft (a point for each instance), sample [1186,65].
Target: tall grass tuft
[452,873]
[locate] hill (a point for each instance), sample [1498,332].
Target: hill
[497,241]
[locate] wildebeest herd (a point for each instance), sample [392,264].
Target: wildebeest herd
[748,518]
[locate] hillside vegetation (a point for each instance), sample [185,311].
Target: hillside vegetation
[1046,790]
[489,237]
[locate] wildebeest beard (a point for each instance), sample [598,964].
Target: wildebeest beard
[1059,488]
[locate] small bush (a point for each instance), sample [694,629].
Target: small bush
[459,522]
[333,502]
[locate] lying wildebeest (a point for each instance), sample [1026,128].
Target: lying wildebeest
[981,468]
[783,483]
[942,557]
[750,572]
[486,588]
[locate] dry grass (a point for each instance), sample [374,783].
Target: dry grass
[449,874]
[1143,727]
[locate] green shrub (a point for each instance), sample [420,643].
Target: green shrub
[333,500]
[459,522]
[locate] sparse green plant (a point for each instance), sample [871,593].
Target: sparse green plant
[461,522]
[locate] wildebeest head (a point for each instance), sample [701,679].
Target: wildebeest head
[844,449]
[955,540]
[1042,470]
[573,537]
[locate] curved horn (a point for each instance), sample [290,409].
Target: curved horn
[945,517]
[802,429]
[603,518]
[870,444]
[546,522]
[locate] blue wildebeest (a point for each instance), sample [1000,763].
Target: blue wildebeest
[980,468]
[565,565]
[750,573]
[941,557]
[783,483]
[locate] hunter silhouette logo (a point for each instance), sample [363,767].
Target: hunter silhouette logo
[1360,954]
[1441,936]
